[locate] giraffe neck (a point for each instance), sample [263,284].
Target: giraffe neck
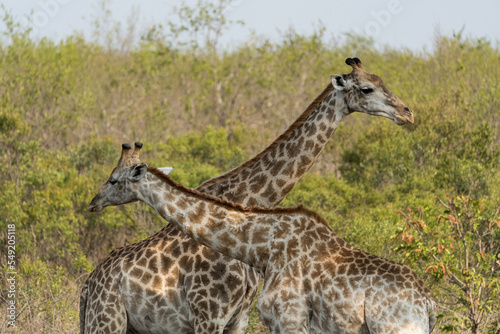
[222,226]
[267,178]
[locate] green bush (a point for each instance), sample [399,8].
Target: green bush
[66,107]
[457,248]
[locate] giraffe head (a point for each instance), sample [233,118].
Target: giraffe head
[119,188]
[367,93]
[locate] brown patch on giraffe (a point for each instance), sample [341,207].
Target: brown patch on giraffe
[166,264]
[233,282]
[202,266]
[352,270]
[252,202]
[285,190]
[330,132]
[280,182]
[175,251]
[317,149]
[276,167]
[266,161]
[260,234]
[293,248]
[257,183]
[322,126]
[171,281]
[238,177]
[321,139]
[227,240]
[301,171]
[112,299]
[218,271]
[146,278]
[377,282]
[256,255]
[218,291]
[214,308]
[405,270]
[181,204]
[149,253]
[210,255]
[196,216]
[136,272]
[216,213]
[113,326]
[342,269]
[370,269]
[385,266]
[186,263]
[309,144]
[154,197]
[310,130]
[257,168]
[153,263]
[289,169]
[141,263]
[270,193]
[205,280]
[292,149]
[170,208]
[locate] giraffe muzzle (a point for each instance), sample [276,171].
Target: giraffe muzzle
[404,117]
[94,206]
[409,115]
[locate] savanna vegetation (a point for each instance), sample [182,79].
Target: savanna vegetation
[426,194]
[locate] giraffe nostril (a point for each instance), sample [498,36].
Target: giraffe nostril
[407,110]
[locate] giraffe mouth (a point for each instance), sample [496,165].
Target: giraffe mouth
[401,116]
[94,206]
[397,118]
[404,118]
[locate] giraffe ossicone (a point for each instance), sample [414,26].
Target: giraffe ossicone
[314,281]
[190,297]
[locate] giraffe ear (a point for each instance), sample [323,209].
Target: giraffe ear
[138,172]
[338,82]
[166,170]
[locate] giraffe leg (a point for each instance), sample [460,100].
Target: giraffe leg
[222,304]
[83,306]
[239,321]
[107,321]
[281,308]
[111,320]
[105,312]
[210,316]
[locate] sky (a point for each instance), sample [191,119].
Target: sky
[397,23]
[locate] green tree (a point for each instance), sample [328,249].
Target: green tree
[459,252]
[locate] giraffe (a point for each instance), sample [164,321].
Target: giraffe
[263,180]
[314,281]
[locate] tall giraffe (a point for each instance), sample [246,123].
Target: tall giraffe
[194,299]
[314,281]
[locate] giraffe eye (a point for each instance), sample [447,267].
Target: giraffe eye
[367,90]
[113,181]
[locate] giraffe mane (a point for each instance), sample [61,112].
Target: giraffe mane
[314,104]
[235,206]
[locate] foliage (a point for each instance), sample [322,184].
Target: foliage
[459,250]
[65,108]
[199,156]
